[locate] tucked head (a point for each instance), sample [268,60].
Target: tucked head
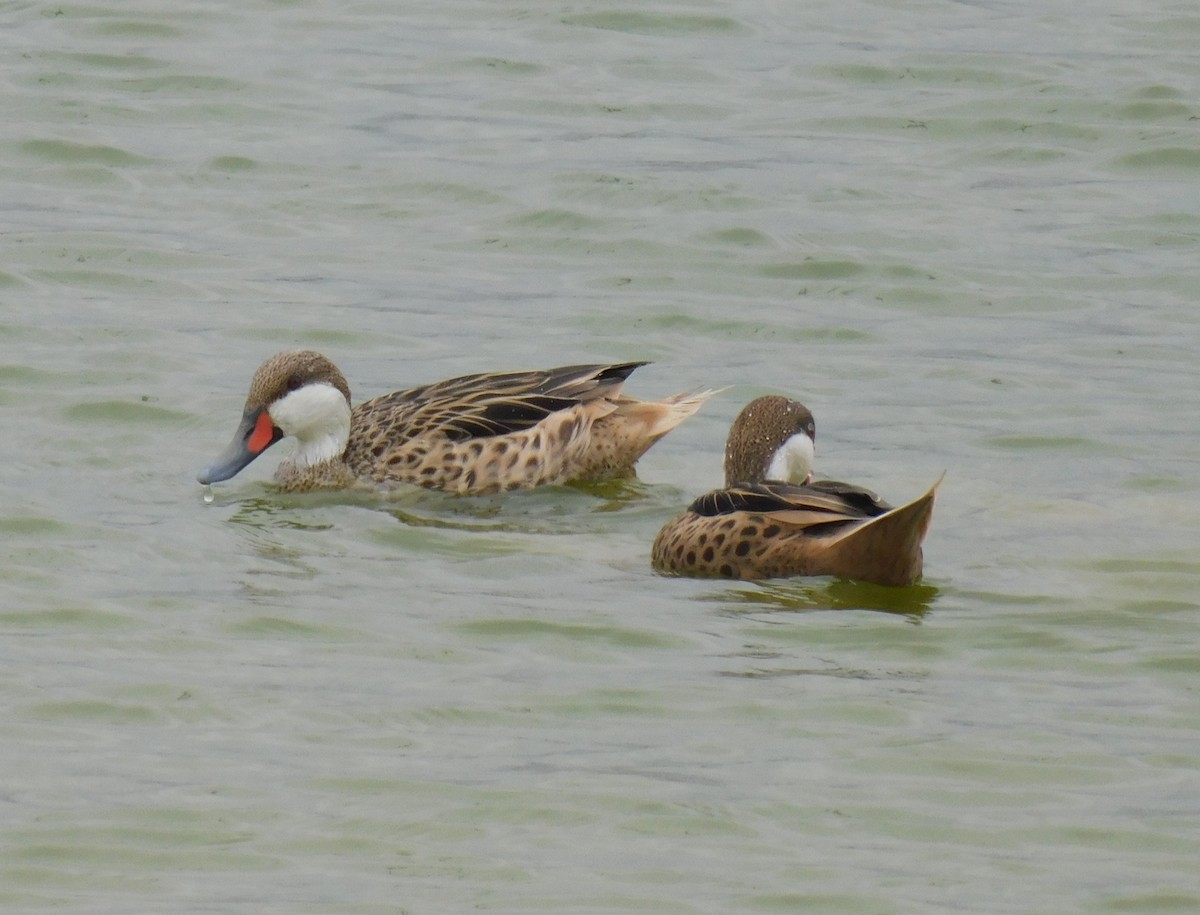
[298,393]
[773,438]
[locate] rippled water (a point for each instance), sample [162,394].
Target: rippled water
[965,234]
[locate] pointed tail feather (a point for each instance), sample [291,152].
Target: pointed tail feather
[658,417]
[620,438]
[887,549]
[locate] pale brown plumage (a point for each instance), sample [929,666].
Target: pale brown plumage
[755,528]
[478,433]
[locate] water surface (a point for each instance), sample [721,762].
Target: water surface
[964,234]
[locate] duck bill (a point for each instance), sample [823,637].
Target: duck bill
[254,436]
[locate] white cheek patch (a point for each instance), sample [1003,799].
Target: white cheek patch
[793,461]
[318,416]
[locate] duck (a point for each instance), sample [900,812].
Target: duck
[475,434]
[772,520]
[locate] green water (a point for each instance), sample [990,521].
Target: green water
[965,235]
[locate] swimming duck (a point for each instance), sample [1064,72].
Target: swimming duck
[475,434]
[771,520]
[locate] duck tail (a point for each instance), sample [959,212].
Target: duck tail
[619,438]
[890,544]
[650,420]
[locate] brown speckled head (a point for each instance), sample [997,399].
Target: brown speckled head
[289,371]
[759,431]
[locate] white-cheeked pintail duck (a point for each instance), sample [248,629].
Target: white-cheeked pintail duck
[772,520]
[479,433]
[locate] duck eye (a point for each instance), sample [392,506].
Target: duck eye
[294,382]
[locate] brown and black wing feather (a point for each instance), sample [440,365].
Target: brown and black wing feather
[575,382]
[819,508]
[487,404]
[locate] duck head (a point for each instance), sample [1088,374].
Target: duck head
[773,438]
[301,394]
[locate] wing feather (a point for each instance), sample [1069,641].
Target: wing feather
[489,404]
[811,506]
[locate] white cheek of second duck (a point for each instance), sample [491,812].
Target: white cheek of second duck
[793,460]
[319,417]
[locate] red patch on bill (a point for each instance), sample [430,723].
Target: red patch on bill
[263,435]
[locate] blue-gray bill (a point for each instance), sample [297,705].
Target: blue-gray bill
[254,435]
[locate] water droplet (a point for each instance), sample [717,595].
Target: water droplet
[208,495]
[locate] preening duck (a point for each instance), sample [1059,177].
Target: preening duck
[772,521]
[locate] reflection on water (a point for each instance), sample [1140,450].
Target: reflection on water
[549,509]
[801,595]
[262,512]
[615,495]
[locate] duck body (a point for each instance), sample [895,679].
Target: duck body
[756,527]
[479,433]
[777,530]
